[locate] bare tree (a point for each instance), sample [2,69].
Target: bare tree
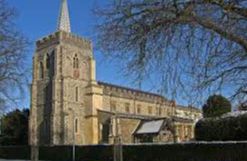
[12,56]
[184,45]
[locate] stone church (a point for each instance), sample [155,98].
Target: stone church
[69,106]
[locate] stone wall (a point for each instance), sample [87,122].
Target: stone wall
[128,126]
[58,89]
[184,131]
[117,99]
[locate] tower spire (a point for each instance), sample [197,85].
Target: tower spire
[64,20]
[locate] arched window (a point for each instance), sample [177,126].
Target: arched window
[76,94]
[45,126]
[41,70]
[49,64]
[47,61]
[75,62]
[76,125]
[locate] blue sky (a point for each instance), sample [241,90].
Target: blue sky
[38,18]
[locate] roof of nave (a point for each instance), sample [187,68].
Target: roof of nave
[136,91]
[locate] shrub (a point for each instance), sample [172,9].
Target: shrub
[55,153]
[148,152]
[232,128]
[15,152]
[15,128]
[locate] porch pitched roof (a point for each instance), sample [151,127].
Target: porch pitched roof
[149,127]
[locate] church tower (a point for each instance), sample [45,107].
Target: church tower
[61,91]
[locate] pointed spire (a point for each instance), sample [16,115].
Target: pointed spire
[64,20]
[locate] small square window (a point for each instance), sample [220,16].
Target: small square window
[139,109]
[150,110]
[113,106]
[127,107]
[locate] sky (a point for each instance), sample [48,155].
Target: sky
[39,18]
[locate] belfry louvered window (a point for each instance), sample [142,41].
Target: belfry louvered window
[41,70]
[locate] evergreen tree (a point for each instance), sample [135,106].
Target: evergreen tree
[216,105]
[15,128]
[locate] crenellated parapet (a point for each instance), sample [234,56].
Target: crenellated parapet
[188,108]
[133,94]
[62,37]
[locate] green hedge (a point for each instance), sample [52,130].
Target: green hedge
[83,153]
[157,152]
[15,152]
[187,152]
[222,129]
[55,153]
[94,153]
